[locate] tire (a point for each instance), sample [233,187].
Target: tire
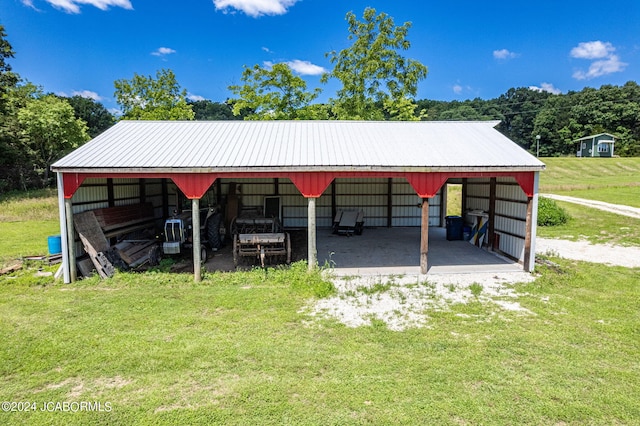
[203,254]
[213,232]
[155,255]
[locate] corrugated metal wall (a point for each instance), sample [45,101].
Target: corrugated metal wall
[510,211]
[511,217]
[407,206]
[370,195]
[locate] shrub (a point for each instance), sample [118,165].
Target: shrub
[550,213]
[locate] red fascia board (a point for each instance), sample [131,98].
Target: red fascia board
[310,184]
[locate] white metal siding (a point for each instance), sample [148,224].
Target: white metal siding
[510,217]
[510,211]
[368,195]
[407,209]
[478,194]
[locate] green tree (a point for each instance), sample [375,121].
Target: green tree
[272,94]
[146,98]
[519,108]
[97,117]
[51,130]
[611,109]
[207,110]
[8,79]
[377,81]
[16,170]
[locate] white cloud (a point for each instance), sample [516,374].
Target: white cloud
[194,98]
[29,3]
[504,54]
[266,49]
[73,6]
[607,62]
[87,94]
[600,68]
[592,50]
[301,67]
[163,51]
[255,8]
[305,67]
[457,89]
[546,87]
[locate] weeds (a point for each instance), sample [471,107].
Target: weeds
[476,289]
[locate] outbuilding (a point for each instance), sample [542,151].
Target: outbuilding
[394,171]
[600,145]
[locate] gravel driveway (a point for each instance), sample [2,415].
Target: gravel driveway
[600,205]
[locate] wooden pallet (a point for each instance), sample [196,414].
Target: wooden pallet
[94,242]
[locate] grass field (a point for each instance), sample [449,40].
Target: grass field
[26,220]
[613,180]
[239,348]
[236,349]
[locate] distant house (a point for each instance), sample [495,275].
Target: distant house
[600,145]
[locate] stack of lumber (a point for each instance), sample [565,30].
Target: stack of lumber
[95,226]
[137,252]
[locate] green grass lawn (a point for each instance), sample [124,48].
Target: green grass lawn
[236,349]
[594,225]
[26,220]
[613,180]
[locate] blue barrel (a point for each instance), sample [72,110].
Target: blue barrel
[55,244]
[455,225]
[466,233]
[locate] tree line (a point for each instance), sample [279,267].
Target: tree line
[377,83]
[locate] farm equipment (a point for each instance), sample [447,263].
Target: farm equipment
[178,232]
[261,238]
[348,222]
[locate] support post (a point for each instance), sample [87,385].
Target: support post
[491,228]
[444,191]
[195,225]
[334,206]
[424,236]
[312,255]
[111,198]
[62,211]
[71,240]
[165,199]
[463,208]
[531,227]
[389,202]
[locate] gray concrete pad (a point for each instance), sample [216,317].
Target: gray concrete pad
[386,251]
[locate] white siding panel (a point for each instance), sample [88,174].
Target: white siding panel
[510,217]
[88,194]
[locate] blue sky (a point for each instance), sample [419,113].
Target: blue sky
[472,48]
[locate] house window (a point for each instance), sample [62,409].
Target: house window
[603,147]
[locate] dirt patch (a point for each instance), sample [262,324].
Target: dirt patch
[404,302]
[608,254]
[78,386]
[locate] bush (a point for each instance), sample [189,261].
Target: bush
[550,213]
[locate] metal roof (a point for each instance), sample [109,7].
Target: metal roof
[236,146]
[594,136]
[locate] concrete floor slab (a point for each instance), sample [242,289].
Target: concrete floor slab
[386,251]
